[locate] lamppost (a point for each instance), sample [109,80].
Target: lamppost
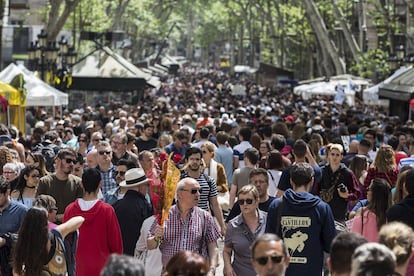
[397,59]
[54,62]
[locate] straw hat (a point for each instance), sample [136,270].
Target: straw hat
[134,177]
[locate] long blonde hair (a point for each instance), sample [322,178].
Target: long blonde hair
[384,160]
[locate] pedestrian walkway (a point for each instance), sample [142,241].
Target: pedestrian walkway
[219,270]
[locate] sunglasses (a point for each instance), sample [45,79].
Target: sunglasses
[120,173]
[263,260]
[104,152]
[97,140]
[247,201]
[193,191]
[81,140]
[69,161]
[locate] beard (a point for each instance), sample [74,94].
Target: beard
[194,168]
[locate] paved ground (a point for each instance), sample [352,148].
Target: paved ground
[219,270]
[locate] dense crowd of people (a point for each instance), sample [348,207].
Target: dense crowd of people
[292,186]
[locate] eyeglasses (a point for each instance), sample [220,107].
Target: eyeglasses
[69,161]
[8,172]
[247,201]
[193,191]
[117,143]
[104,152]
[121,173]
[263,260]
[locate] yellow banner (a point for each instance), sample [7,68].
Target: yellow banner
[171,181]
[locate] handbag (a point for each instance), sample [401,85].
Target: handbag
[141,256]
[328,194]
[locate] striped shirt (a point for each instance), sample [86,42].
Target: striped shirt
[238,152]
[209,189]
[193,234]
[409,161]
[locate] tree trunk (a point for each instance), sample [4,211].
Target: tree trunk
[281,27]
[267,13]
[329,51]
[118,15]
[349,37]
[57,20]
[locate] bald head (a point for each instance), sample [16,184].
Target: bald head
[353,146]
[92,158]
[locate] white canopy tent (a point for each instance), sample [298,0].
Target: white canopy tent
[370,95]
[328,87]
[39,93]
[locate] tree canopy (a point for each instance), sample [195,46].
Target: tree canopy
[310,37]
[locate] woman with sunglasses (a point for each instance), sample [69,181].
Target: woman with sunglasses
[26,188]
[214,169]
[241,233]
[83,143]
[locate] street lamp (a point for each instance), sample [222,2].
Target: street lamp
[396,59]
[53,59]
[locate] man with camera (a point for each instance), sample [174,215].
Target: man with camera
[338,185]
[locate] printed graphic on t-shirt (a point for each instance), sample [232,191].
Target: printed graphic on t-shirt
[294,238]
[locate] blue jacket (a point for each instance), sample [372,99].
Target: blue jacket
[307,228]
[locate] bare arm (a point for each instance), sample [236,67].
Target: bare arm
[235,162]
[70,225]
[212,256]
[151,243]
[233,191]
[310,158]
[228,268]
[154,241]
[218,213]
